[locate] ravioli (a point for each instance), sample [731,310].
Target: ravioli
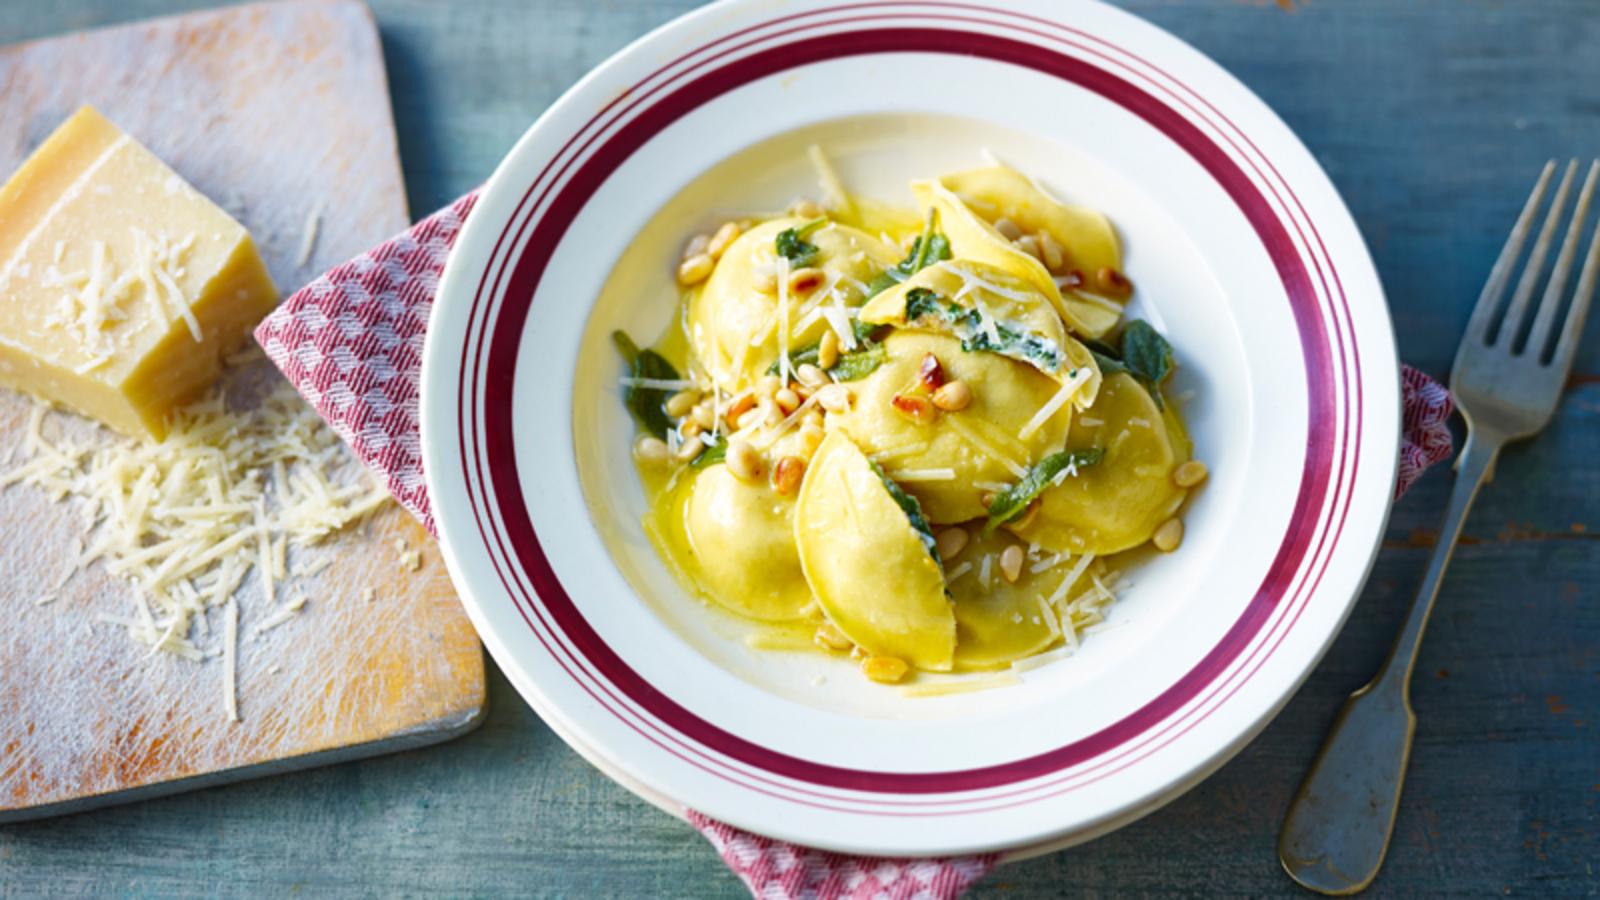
[1117,503]
[1002,622]
[735,325]
[742,538]
[953,457]
[872,572]
[1006,315]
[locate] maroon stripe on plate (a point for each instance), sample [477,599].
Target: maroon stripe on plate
[506,330]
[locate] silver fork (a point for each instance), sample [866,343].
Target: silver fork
[1507,380]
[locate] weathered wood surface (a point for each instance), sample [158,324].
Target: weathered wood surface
[85,713]
[1432,117]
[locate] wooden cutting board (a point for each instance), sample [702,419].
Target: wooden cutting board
[279,112]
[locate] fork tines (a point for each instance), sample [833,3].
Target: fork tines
[1513,331]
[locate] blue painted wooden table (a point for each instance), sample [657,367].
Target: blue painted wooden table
[1431,116]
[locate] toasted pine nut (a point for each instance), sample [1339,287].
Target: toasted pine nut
[1008,228]
[811,437]
[1168,536]
[689,428]
[696,246]
[915,408]
[806,280]
[953,396]
[771,412]
[679,404]
[930,373]
[787,473]
[738,408]
[744,462]
[1050,251]
[951,542]
[811,376]
[986,498]
[767,282]
[1011,563]
[812,418]
[768,385]
[805,209]
[834,398]
[828,349]
[829,637]
[727,234]
[884,669]
[1113,282]
[690,448]
[787,400]
[652,450]
[1189,474]
[694,270]
[1028,244]
[752,417]
[704,414]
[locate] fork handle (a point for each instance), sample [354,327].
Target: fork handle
[1338,826]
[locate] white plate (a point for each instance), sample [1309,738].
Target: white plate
[1242,253]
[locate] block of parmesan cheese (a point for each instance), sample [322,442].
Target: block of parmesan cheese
[121,287]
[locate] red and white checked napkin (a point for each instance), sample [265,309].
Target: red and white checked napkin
[351,342]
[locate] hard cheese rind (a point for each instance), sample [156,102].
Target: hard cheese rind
[121,287]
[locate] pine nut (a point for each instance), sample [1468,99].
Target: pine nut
[804,281]
[767,282]
[696,246]
[805,209]
[690,448]
[679,404]
[704,415]
[1168,536]
[727,234]
[951,542]
[787,400]
[811,437]
[834,398]
[652,451]
[1011,563]
[828,349]
[787,473]
[1050,251]
[953,396]
[771,412]
[986,499]
[812,418]
[738,408]
[1190,474]
[884,669]
[811,376]
[915,408]
[750,418]
[694,270]
[1113,282]
[930,373]
[1008,228]
[1028,244]
[689,428]
[768,385]
[829,637]
[744,462]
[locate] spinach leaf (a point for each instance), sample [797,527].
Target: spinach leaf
[858,364]
[793,246]
[646,403]
[1011,503]
[968,325]
[929,247]
[715,453]
[912,509]
[1148,357]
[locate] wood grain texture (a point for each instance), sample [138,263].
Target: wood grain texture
[281,114]
[1431,117]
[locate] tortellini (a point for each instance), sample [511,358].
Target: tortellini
[951,459]
[1120,501]
[874,574]
[737,318]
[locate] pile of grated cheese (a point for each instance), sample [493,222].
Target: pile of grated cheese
[186,520]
